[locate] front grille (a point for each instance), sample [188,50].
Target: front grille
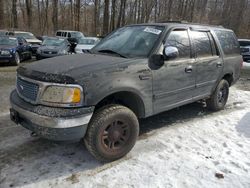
[26,89]
[49,52]
[244,50]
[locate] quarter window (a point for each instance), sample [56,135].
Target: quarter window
[228,42]
[180,40]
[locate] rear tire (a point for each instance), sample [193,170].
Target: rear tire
[219,98]
[112,133]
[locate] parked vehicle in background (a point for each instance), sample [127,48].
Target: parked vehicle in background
[14,49]
[3,32]
[29,37]
[245,49]
[85,44]
[69,34]
[135,72]
[53,46]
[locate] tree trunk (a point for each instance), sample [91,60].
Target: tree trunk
[105,29]
[14,14]
[2,14]
[29,13]
[113,14]
[55,15]
[77,14]
[96,17]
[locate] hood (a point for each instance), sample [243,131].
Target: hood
[84,47]
[50,48]
[7,46]
[70,66]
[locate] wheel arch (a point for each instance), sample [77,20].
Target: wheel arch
[127,98]
[229,78]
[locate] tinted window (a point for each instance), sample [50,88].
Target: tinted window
[180,40]
[58,33]
[228,42]
[244,43]
[203,44]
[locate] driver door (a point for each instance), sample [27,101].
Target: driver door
[174,82]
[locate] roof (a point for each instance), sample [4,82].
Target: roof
[67,31]
[248,40]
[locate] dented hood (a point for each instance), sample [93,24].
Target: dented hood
[68,68]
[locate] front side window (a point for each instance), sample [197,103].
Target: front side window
[180,40]
[131,41]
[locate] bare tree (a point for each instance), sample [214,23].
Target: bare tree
[105,29]
[2,14]
[55,15]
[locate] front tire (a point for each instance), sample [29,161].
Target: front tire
[219,98]
[17,59]
[112,133]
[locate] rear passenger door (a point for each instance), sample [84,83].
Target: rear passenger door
[209,64]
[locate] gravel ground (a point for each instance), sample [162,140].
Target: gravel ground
[33,162]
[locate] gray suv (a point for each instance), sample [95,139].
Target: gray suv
[135,72]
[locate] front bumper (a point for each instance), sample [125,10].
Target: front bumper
[5,59]
[50,123]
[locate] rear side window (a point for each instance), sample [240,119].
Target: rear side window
[228,42]
[59,33]
[204,44]
[180,40]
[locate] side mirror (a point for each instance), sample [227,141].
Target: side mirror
[171,52]
[157,60]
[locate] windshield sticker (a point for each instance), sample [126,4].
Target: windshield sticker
[152,30]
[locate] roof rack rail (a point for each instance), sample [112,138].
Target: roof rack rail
[186,22]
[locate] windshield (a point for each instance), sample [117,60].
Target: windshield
[87,41]
[76,35]
[53,42]
[244,43]
[132,41]
[8,41]
[25,35]
[2,33]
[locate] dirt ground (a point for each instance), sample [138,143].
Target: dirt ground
[27,161]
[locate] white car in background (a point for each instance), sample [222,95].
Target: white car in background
[85,44]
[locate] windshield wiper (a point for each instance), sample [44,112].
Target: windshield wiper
[112,52]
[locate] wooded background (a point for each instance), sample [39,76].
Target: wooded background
[99,17]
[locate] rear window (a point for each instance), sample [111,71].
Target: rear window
[244,43]
[228,42]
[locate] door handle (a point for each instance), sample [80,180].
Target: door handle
[189,69]
[219,64]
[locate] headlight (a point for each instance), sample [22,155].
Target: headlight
[5,52]
[63,95]
[63,52]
